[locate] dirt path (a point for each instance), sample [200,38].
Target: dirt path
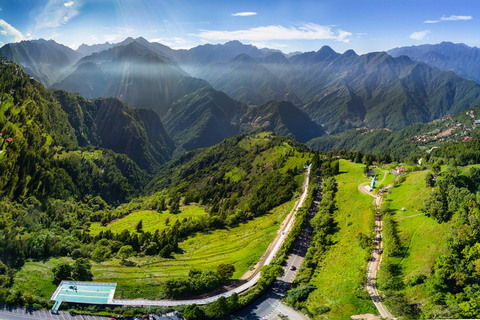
[376,259]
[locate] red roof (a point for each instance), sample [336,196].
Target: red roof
[9,139]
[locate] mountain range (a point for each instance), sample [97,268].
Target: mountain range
[447,56]
[211,92]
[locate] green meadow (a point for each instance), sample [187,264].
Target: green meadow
[343,268]
[151,220]
[423,239]
[242,246]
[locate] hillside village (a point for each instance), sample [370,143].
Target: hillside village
[450,130]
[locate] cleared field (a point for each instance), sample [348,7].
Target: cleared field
[243,246]
[344,265]
[151,220]
[36,277]
[422,237]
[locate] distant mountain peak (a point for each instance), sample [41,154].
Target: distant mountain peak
[243,58]
[349,53]
[275,57]
[325,53]
[234,43]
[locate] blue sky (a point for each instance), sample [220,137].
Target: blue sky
[362,25]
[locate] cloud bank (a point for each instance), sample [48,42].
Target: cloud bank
[56,13]
[451,18]
[310,31]
[8,30]
[244,14]
[419,35]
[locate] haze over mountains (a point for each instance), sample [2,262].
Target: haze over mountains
[211,92]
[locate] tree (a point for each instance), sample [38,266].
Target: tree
[28,298]
[125,252]
[193,312]
[436,168]
[139,226]
[101,253]
[166,251]
[233,302]
[82,270]
[62,271]
[225,271]
[218,308]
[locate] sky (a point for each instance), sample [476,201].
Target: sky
[288,25]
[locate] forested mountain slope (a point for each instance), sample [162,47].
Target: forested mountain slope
[246,80]
[137,73]
[283,118]
[37,140]
[112,124]
[413,139]
[203,118]
[447,56]
[42,59]
[375,90]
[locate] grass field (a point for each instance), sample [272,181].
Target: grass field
[344,266]
[242,246]
[423,238]
[151,220]
[36,277]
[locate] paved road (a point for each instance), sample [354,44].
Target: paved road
[279,241]
[269,306]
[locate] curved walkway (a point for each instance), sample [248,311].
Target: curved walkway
[376,259]
[276,246]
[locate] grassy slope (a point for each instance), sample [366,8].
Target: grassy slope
[422,237]
[242,246]
[36,277]
[152,220]
[344,265]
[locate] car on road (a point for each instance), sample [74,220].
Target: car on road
[293,268]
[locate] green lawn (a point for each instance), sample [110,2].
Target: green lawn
[152,220]
[343,268]
[243,246]
[36,277]
[422,237]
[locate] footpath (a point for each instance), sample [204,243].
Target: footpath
[377,251]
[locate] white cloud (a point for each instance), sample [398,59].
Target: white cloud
[451,18]
[56,13]
[310,31]
[454,18]
[243,14]
[174,43]
[269,45]
[419,35]
[8,30]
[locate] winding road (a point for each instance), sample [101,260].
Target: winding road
[270,254]
[269,306]
[376,259]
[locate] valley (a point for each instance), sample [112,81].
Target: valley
[226,180]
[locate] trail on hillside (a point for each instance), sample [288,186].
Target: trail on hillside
[376,259]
